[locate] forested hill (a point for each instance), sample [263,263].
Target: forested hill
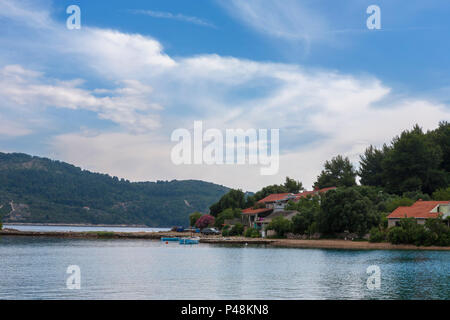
[41,190]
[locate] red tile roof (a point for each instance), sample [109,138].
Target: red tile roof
[251,211]
[274,197]
[327,189]
[304,194]
[420,209]
[280,196]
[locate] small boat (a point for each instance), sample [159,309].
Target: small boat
[170,239]
[193,240]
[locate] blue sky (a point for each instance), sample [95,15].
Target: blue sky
[106,97]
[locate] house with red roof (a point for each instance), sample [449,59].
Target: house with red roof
[421,211]
[273,204]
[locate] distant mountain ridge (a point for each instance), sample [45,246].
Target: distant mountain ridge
[40,190]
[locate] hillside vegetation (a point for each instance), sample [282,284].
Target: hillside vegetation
[40,190]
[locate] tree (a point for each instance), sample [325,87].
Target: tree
[281,225]
[237,230]
[441,138]
[309,210]
[193,217]
[442,194]
[346,209]
[225,215]
[338,172]
[413,163]
[293,186]
[370,166]
[233,199]
[396,202]
[264,192]
[205,221]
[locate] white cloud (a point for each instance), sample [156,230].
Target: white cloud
[320,113]
[177,16]
[127,105]
[287,19]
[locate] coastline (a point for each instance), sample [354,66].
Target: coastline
[280,243]
[74,225]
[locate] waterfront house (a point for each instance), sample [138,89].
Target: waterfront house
[273,203]
[421,211]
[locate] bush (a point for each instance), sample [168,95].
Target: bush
[377,235]
[237,230]
[205,221]
[252,233]
[281,226]
[226,231]
[434,232]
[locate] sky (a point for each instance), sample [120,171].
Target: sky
[107,97]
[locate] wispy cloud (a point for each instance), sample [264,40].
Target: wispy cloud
[147,93]
[176,16]
[288,19]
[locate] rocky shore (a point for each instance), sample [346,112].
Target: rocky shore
[282,243]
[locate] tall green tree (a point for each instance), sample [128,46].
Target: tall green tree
[346,209]
[441,138]
[413,163]
[371,166]
[293,186]
[339,172]
[233,199]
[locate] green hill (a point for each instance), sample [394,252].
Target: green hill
[41,190]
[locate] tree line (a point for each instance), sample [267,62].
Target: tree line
[414,165]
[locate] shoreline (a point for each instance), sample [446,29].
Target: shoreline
[79,225]
[279,243]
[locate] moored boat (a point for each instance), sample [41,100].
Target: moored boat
[193,240]
[170,239]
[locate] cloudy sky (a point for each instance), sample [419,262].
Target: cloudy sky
[108,96]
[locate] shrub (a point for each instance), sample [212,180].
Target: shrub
[251,233]
[237,230]
[397,235]
[226,231]
[410,232]
[205,221]
[376,235]
[281,226]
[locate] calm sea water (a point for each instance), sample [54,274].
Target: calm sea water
[35,268]
[80,228]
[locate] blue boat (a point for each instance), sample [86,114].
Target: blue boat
[195,240]
[170,239]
